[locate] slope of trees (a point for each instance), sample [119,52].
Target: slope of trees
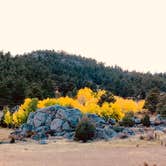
[41,73]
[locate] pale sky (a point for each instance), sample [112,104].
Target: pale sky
[128,33]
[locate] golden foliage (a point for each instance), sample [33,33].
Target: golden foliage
[86,101]
[7,117]
[128,105]
[21,115]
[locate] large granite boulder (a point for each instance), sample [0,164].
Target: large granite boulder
[55,120]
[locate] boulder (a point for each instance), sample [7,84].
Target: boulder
[53,120]
[30,118]
[106,133]
[109,131]
[66,127]
[42,129]
[40,119]
[56,125]
[72,116]
[98,121]
[100,134]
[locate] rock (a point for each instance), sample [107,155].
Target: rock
[74,117]
[128,131]
[43,142]
[109,132]
[53,120]
[14,109]
[43,129]
[40,119]
[71,115]
[30,118]
[60,133]
[39,136]
[69,135]
[160,128]
[158,117]
[137,121]
[56,125]
[152,122]
[66,127]
[122,135]
[100,134]
[26,129]
[98,121]
[62,113]
[48,120]
[51,109]
[111,121]
[62,121]
[138,131]
[16,136]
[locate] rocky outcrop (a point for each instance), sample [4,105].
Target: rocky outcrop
[62,121]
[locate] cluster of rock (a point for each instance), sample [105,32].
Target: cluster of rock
[62,121]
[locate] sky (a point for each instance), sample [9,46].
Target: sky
[127,33]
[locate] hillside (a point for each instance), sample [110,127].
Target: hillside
[41,73]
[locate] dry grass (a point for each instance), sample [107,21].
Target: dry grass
[127,152]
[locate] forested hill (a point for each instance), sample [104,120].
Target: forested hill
[41,73]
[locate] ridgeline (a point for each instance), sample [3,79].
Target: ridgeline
[44,73]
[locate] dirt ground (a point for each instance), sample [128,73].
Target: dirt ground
[129,152]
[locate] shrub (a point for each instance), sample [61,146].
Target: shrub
[152,100]
[20,116]
[2,119]
[127,120]
[7,116]
[85,130]
[162,111]
[146,120]
[161,106]
[106,97]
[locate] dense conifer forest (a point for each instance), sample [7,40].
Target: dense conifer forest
[48,73]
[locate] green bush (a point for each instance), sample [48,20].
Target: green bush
[162,111]
[127,120]
[118,128]
[5,118]
[85,130]
[146,120]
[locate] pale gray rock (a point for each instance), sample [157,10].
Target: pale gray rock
[40,119]
[56,125]
[66,127]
